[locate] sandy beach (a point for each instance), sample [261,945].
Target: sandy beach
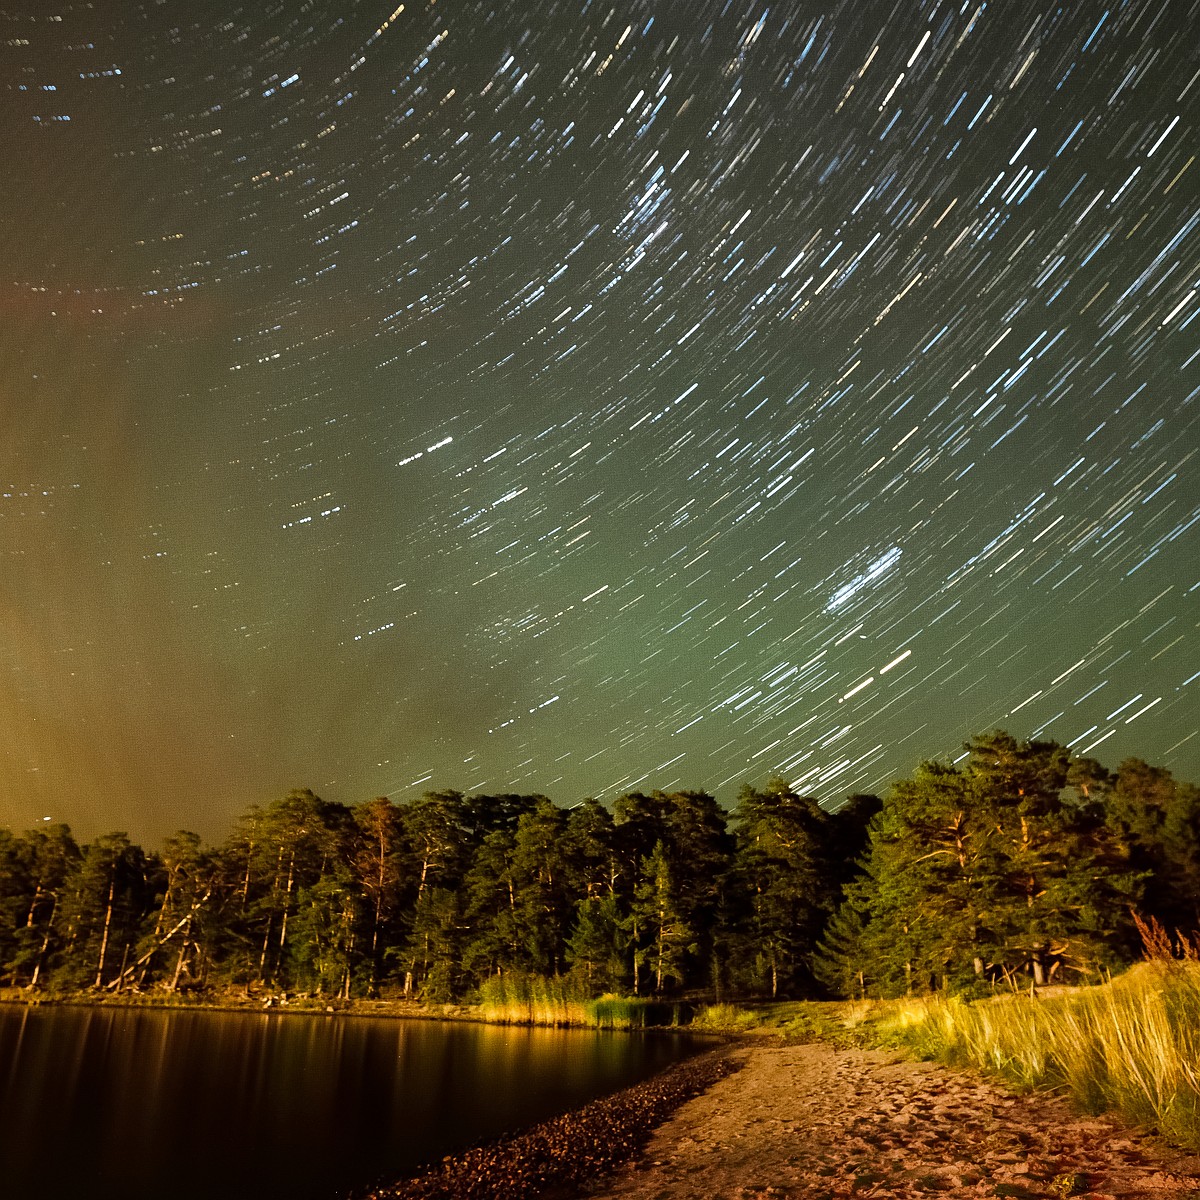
[818,1122]
[814,1121]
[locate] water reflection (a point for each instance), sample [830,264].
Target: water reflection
[101,1103]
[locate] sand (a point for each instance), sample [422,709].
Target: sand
[814,1121]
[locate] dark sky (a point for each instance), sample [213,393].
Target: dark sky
[585,397]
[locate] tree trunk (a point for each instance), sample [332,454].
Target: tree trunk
[174,984]
[37,966]
[287,900]
[187,935]
[246,877]
[160,920]
[377,920]
[112,887]
[121,973]
[262,958]
[37,895]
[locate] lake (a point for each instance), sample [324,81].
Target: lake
[97,1103]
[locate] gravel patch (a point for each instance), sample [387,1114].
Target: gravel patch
[560,1157]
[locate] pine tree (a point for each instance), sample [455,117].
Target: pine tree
[844,962]
[781,864]
[104,903]
[434,950]
[39,867]
[588,847]
[930,884]
[663,938]
[598,946]
[1158,819]
[540,870]
[494,939]
[378,863]
[1066,885]
[323,950]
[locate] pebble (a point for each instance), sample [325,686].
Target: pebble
[556,1159]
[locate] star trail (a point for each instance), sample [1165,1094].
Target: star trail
[589,397]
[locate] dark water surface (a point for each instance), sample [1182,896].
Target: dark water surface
[103,1103]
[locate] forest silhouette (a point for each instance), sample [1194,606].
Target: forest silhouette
[1019,864]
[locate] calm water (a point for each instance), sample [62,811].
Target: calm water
[97,1104]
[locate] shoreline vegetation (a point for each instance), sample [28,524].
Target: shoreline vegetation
[1130,1047]
[610,1012]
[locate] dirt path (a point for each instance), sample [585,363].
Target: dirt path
[815,1122]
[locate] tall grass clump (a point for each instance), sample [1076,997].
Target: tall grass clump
[515,999]
[532,1000]
[1130,1046]
[630,1012]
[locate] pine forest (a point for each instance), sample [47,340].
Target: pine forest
[1018,864]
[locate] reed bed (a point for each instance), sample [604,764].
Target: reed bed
[1131,1046]
[631,1012]
[532,1000]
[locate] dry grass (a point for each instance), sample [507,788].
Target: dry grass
[1130,1046]
[532,1000]
[725,1019]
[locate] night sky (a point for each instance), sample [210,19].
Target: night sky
[587,397]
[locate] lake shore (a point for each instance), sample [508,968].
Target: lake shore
[819,1122]
[757,1117]
[232,1002]
[562,1157]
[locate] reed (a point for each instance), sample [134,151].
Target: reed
[534,1000]
[531,1000]
[630,1012]
[1130,1046]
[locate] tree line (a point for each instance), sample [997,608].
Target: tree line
[1020,863]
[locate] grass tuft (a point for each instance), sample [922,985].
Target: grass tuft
[725,1018]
